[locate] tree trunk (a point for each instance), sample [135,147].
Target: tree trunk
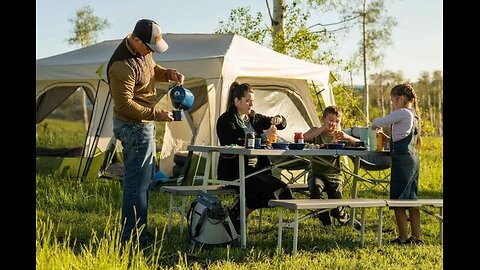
[383,106]
[379,94]
[440,114]
[364,54]
[430,109]
[278,24]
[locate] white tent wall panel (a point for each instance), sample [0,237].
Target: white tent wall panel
[214,61]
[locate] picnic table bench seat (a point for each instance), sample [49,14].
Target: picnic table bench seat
[328,204]
[422,204]
[323,205]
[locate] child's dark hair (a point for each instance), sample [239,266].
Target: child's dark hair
[237,90]
[407,91]
[332,109]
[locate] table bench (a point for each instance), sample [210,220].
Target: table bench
[328,204]
[421,203]
[324,205]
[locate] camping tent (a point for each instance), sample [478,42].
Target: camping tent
[210,62]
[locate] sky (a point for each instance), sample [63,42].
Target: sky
[417,39]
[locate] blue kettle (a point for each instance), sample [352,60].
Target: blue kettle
[182,98]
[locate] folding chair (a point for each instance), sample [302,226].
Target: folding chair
[376,171]
[290,171]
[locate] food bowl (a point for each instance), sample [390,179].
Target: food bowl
[280,145]
[345,143]
[334,145]
[296,146]
[360,144]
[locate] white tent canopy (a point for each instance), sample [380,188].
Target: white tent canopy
[210,62]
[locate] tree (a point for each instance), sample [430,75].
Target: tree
[437,86]
[278,24]
[240,22]
[381,84]
[296,39]
[376,29]
[86,29]
[376,33]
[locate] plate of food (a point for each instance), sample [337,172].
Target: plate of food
[334,145]
[355,148]
[280,145]
[296,146]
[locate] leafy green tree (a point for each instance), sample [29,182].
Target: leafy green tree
[86,27]
[376,28]
[437,87]
[381,84]
[242,23]
[429,89]
[346,98]
[297,39]
[278,25]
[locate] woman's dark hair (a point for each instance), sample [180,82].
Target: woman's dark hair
[237,90]
[407,91]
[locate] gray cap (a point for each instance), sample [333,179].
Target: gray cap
[150,33]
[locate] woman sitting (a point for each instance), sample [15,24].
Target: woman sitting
[231,128]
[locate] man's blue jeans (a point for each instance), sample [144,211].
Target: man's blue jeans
[138,142]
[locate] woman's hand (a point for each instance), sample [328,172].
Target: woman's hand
[276,120]
[386,138]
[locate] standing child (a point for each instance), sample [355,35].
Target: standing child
[325,173]
[405,122]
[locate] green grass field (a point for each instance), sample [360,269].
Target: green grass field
[77,227]
[56,133]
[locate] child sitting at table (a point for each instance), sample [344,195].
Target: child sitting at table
[324,175]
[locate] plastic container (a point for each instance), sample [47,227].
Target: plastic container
[298,138]
[272,134]
[258,143]
[379,142]
[364,136]
[372,139]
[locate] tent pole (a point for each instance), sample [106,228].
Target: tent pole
[94,143]
[190,153]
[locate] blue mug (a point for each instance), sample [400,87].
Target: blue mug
[182,98]
[177,115]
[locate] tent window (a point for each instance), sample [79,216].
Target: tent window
[63,114]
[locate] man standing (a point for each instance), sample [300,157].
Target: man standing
[132,74]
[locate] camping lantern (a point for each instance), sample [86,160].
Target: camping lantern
[182,98]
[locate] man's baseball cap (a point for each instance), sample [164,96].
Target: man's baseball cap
[150,33]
